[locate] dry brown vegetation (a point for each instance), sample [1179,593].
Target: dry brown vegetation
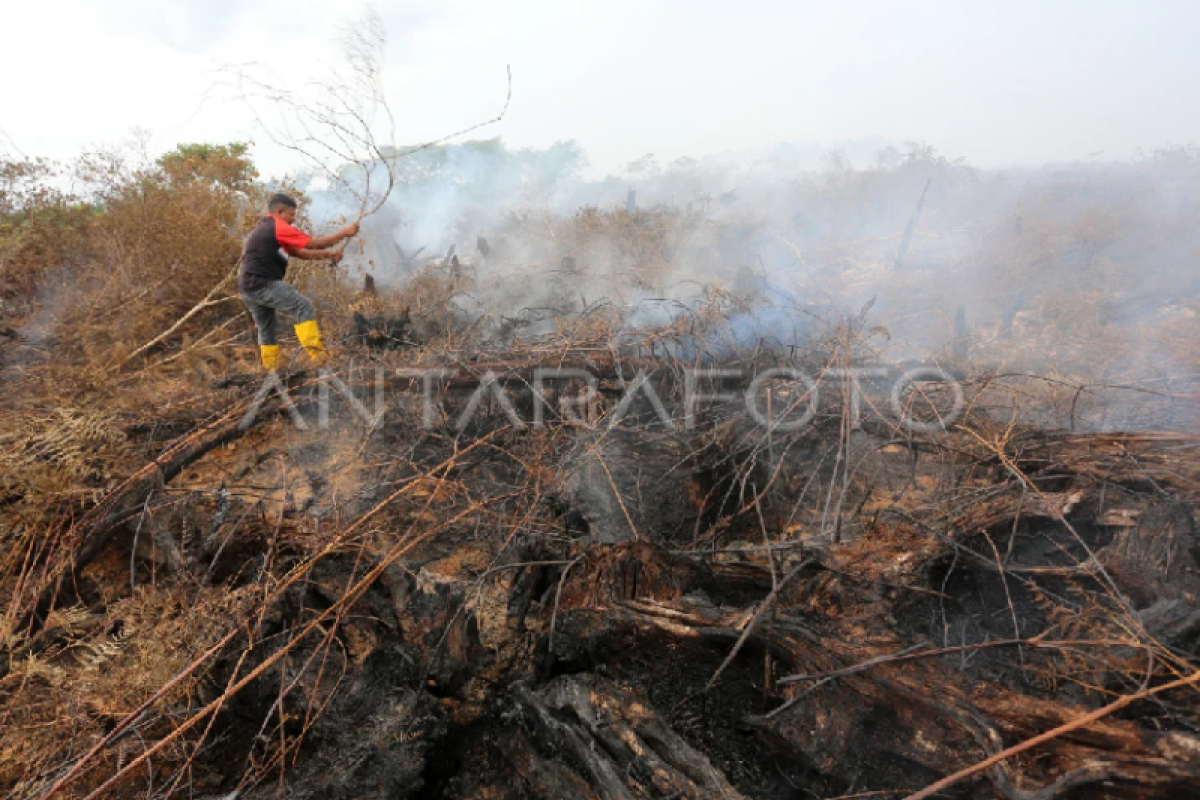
[381,608]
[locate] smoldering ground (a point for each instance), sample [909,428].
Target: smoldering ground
[1092,263]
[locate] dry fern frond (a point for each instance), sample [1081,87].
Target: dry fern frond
[10,639]
[37,667]
[98,654]
[60,452]
[72,618]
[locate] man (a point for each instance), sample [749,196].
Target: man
[260,279]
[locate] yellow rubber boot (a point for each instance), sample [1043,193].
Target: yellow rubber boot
[270,356]
[310,337]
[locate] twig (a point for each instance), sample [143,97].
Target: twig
[196,309]
[737,647]
[1086,719]
[915,652]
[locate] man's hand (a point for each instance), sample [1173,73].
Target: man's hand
[322,242]
[336,257]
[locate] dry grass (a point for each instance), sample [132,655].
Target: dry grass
[886,509]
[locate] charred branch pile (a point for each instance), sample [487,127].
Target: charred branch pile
[669,601]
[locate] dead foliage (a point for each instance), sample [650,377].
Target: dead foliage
[453,602]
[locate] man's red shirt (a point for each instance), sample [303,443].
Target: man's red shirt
[265,254]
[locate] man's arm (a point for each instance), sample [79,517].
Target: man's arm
[320,242]
[316,254]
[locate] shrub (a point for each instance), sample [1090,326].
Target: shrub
[41,228]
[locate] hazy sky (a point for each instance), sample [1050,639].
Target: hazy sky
[996,82]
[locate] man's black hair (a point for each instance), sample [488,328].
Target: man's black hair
[279,200]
